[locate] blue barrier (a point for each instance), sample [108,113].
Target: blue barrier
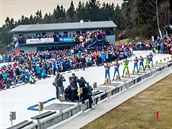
[35,107]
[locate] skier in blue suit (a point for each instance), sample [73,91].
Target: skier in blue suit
[107,71]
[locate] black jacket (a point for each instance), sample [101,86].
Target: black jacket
[73,81]
[59,81]
[82,82]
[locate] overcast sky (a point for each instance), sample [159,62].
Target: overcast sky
[16,8]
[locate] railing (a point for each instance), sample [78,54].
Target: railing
[21,124]
[43,115]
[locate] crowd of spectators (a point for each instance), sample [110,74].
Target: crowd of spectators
[28,66]
[85,37]
[161,45]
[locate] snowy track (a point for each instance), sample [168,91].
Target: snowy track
[20,98]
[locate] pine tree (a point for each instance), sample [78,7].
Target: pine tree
[46,19]
[71,12]
[31,19]
[81,11]
[118,18]
[38,16]
[92,9]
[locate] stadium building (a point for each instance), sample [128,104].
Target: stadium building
[38,37]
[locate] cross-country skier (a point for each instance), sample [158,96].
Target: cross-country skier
[141,64]
[107,71]
[136,60]
[151,58]
[116,70]
[126,62]
[147,62]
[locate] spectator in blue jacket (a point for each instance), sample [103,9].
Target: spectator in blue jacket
[38,71]
[54,66]
[43,74]
[103,58]
[4,75]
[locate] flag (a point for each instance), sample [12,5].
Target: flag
[17,48]
[160,33]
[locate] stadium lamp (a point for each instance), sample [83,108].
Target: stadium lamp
[81,21]
[170,27]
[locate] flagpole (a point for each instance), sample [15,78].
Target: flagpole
[157,18]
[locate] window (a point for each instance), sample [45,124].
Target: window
[83,32]
[65,33]
[77,32]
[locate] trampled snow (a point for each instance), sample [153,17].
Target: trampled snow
[20,98]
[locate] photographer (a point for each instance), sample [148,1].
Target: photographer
[89,94]
[82,82]
[73,85]
[58,83]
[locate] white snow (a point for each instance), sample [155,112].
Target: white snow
[20,98]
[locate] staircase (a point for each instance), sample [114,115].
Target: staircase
[100,41]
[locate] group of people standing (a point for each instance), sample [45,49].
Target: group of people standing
[138,65]
[78,89]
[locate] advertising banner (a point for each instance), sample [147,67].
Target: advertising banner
[42,40]
[66,39]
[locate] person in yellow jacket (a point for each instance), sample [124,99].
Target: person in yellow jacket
[147,62]
[32,79]
[126,62]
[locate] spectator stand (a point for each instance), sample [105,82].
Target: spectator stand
[61,35]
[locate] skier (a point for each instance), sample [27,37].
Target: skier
[147,62]
[126,62]
[151,58]
[116,70]
[136,64]
[107,71]
[141,64]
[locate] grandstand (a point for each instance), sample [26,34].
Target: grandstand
[39,37]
